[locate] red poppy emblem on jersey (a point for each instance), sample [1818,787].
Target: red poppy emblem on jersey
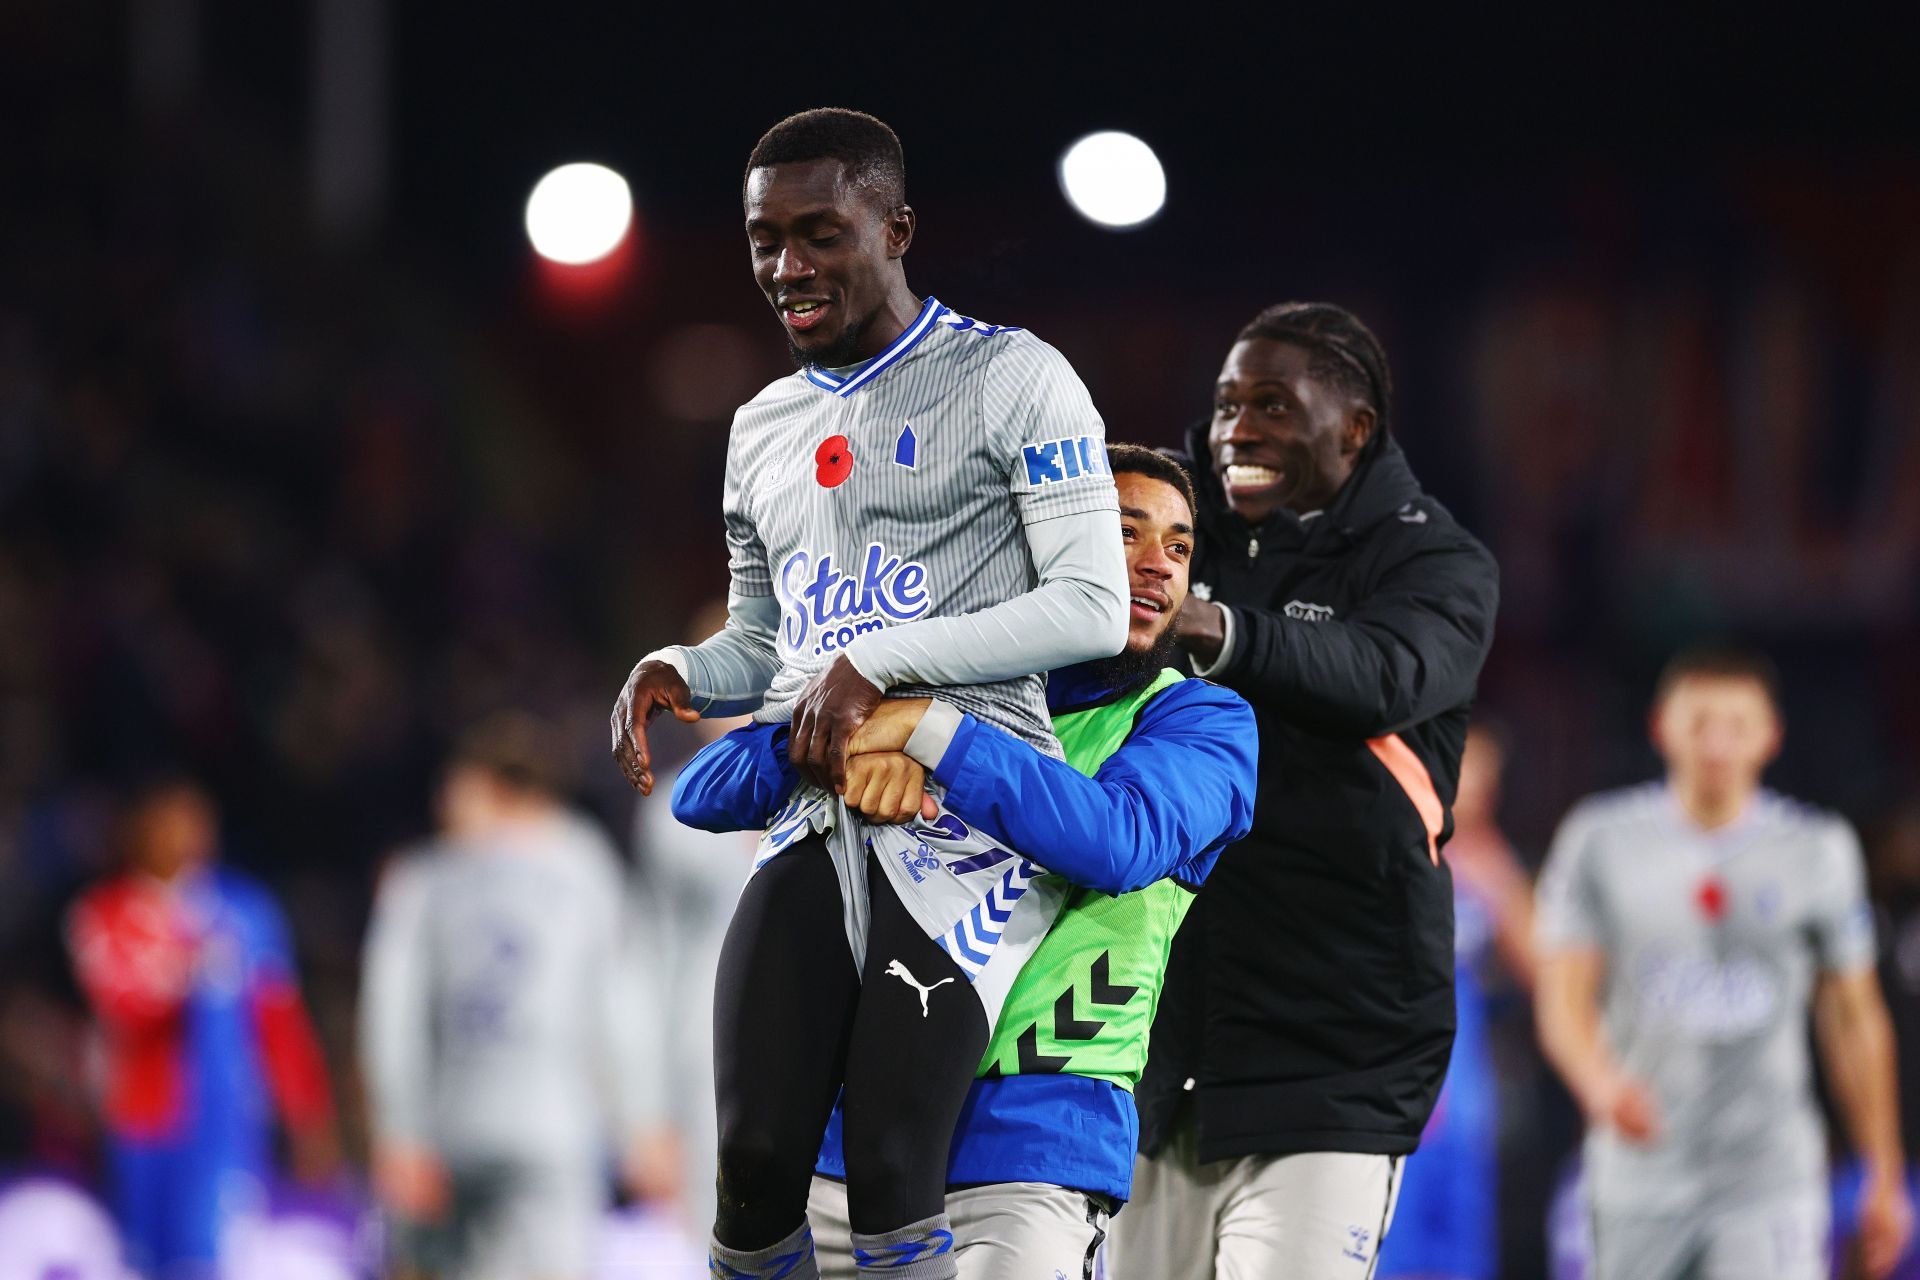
[1712,899]
[832,461]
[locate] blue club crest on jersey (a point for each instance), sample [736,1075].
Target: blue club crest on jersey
[1068,458]
[906,450]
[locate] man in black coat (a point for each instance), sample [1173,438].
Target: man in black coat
[1308,1014]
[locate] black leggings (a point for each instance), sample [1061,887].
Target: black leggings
[792,1023]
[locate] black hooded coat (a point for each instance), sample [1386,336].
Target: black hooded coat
[1309,996]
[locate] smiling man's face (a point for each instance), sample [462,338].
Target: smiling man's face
[1282,438]
[825,254]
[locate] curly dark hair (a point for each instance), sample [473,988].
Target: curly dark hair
[868,148]
[1137,459]
[1344,351]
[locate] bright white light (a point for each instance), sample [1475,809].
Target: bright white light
[1113,179]
[578,213]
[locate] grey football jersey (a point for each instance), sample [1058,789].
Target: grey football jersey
[897,490]
[498,1017]
[1712,943]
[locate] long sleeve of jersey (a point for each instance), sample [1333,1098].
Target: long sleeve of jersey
[296,1067]
[396,1037]
[1078,612]
[1178,791]
[729,672]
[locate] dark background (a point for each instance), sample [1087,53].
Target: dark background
[287,497]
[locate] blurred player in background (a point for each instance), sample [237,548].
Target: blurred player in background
[1446,1224]
[498,1024]
[923,506]
[1685,929]
[189,969]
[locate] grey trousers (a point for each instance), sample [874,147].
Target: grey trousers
[1319,1215]
[1002,1231]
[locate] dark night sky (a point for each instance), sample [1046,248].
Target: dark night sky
[1307,116]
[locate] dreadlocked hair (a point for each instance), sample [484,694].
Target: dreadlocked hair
[1343,351]
[870,150]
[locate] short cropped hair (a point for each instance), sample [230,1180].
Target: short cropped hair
[870,150]
[519,750]
[1137,459]
[1343,351]
[1722,662]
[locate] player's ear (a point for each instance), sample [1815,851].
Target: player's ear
[900,224]
[1360,425]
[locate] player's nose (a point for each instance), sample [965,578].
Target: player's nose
[1238,429]
[1154,563]
[791,266]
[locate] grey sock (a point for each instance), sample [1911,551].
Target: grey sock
[920,1250]
[791,1259]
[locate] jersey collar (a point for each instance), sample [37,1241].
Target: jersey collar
[845,384]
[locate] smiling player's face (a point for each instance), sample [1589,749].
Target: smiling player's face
[1158,531]
[1282,438]
[825,254]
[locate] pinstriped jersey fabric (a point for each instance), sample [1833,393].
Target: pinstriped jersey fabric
[897,490]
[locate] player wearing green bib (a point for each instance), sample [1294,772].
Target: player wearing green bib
[1158,778]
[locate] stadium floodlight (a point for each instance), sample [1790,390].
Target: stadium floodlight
[1113,179]
[579,213]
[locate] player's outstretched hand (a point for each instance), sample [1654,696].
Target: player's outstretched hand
[834,704]
[889,787]
[650,687]
[1886,1224]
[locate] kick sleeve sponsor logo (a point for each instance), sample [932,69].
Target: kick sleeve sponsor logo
[1068,458]
[826,606]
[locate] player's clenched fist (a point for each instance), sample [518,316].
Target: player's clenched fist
[834,704]
[651,687]
[889,787]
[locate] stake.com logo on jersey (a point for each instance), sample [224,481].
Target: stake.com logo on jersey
[826,607]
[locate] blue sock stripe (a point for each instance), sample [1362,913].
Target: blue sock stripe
[776,1268]
[931,1245]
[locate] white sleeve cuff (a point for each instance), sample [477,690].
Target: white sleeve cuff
[1221,659]
[674,657]
[934,734]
